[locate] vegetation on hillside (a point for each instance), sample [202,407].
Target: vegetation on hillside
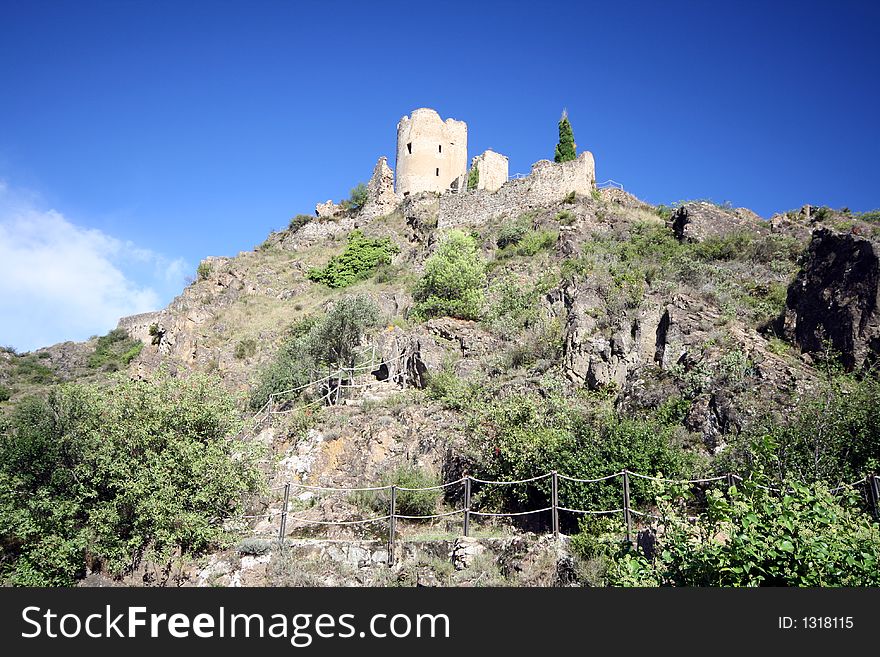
[357,262]
[454,279]
[109,477]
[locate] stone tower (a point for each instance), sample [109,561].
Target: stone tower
[431,153]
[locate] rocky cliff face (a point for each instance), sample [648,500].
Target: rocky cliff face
[832,304]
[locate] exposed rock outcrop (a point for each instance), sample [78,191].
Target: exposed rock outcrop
[833,300]
[698,221]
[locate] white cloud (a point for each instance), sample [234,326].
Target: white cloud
[60,281]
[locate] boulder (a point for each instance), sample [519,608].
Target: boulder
[698,221]
[833,299]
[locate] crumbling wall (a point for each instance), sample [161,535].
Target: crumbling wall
[431,152]
[492,168]
[547,183]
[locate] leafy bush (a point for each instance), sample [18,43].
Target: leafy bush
[832,434]
[315,345]
[29,369]
[299,221]
[752,537]
[5,393]
[357,262]
[245,348]
[528,435]
[535,241]
[115,350]
[357,198]
[565,218]
[513,231]
[203,271]
[255,547]
[453,281]
[112,476]
[407,502]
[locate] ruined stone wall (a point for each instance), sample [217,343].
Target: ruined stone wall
[547,183]
[431,152]
[138,326]
[493,168]
[381,199]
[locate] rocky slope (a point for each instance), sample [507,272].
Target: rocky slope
[709,304]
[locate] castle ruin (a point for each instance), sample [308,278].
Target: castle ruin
[432,159]
[431,153]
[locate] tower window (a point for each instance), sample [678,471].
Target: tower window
[438,171]
[409,148]
[440,148]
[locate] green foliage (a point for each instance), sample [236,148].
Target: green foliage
[29,369]
[512,232]
[356,198]
[245,348]
[357,262]
[473,178]
[571,197]
[315,346]
[454,280]
[407,502]
[203,271]
[565,218]
[111,476]
[752,537]
[299,221]
[115,351]
[832,435]
[872,216]
[5,393]
[566,149]
[530,434]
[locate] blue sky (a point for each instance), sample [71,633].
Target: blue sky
[139,137]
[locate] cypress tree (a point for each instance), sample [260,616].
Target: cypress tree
[566,149]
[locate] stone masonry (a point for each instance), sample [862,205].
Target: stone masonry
[547,183]
[493,169]
[431,153]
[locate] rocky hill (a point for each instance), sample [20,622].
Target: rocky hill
[707,317]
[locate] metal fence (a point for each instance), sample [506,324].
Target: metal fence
[871,484]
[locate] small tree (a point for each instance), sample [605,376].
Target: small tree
[454,280]
[566,149]
[357,198]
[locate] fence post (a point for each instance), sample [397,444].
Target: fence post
[873,494]
[730,480]
[391,525]
[626,513]
[555,502]
[467,504]
[283,529]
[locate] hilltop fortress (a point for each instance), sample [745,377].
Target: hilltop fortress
[432,164]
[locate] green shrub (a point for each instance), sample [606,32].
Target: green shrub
[407,502]
[115,475]
[299,221]
[255,547]
[315,346]
[453,281]
[357,262]
[29,369]
[752,537]
[536,241]
[203,271]
[357,198]
[245,348]
[115,350]
[571,198]
[565,218]
[528,435]
[513,232]
[5,393]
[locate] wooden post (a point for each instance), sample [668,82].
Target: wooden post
[391,525]
[626,513]
[282,531]
[554,494]
[730,480]
[874,494]
[467,504]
